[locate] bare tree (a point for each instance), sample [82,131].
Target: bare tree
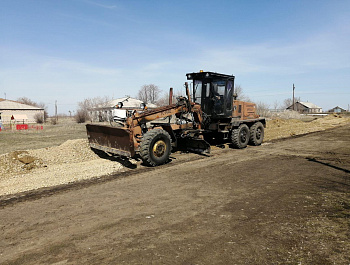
[27,101]
[289,102]
[275,105]
[164,100]
[262,109]
[149,93]
[95,102]
[85,106]
[240,94]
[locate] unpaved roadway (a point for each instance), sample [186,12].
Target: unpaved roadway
[285,202]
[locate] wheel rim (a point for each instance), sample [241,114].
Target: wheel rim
[258,134]
[159,148]
[243,136]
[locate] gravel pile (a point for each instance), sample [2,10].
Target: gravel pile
[72,151]
[69,162]
[18,162]
[21,162]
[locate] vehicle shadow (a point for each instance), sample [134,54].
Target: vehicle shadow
[125,161]
[329,165]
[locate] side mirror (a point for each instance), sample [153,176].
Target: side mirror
[143,106]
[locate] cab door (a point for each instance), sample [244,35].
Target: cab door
[229,97]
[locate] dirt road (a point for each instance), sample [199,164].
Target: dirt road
[285,202]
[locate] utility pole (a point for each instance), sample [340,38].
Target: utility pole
[56,110]
[5,95]
[293,97]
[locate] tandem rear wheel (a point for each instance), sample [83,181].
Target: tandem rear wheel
[243,135]
[240,136]
[256,134]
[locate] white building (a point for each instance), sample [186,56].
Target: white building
[21,113]
[305,107]
[104,112]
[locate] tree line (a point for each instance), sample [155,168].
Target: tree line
[150,93]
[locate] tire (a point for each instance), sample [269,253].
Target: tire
[155,147]
[256,133]
[240,136]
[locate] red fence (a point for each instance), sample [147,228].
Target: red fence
[20,127]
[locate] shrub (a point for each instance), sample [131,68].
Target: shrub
[53,121]
[39,118]
[81,116]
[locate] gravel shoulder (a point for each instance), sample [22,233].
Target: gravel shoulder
[29,169]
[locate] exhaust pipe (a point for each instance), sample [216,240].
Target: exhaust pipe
[188,93]
[171,96]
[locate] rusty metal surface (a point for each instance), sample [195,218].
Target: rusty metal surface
[110,139]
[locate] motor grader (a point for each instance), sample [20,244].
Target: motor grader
[213,116]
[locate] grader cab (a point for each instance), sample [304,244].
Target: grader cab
[225,117]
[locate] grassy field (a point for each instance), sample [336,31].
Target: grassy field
[68,129]
[51,135]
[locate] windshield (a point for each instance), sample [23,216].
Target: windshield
[218,88]
[197,91]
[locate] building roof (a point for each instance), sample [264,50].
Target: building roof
[6,104]
[128,102]
[310,105]
[337,107]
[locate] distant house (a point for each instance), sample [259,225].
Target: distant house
[305,107]
[337,109]
[20,112]
[104,112]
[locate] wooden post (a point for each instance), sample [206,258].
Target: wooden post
[56,110]
[293,98]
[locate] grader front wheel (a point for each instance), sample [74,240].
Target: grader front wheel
[155,147]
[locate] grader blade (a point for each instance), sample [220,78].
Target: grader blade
[195,145]
[110,139]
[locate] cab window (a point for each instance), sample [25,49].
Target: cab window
[197,91]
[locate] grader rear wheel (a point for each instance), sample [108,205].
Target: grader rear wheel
[256,134]
[155,147]
[240,136]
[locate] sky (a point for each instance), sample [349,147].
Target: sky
[71,50]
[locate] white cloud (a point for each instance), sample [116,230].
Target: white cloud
[324,50]
[101,5]
[58,64]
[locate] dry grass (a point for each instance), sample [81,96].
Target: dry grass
[67,129]
[51,135]
[283,128]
